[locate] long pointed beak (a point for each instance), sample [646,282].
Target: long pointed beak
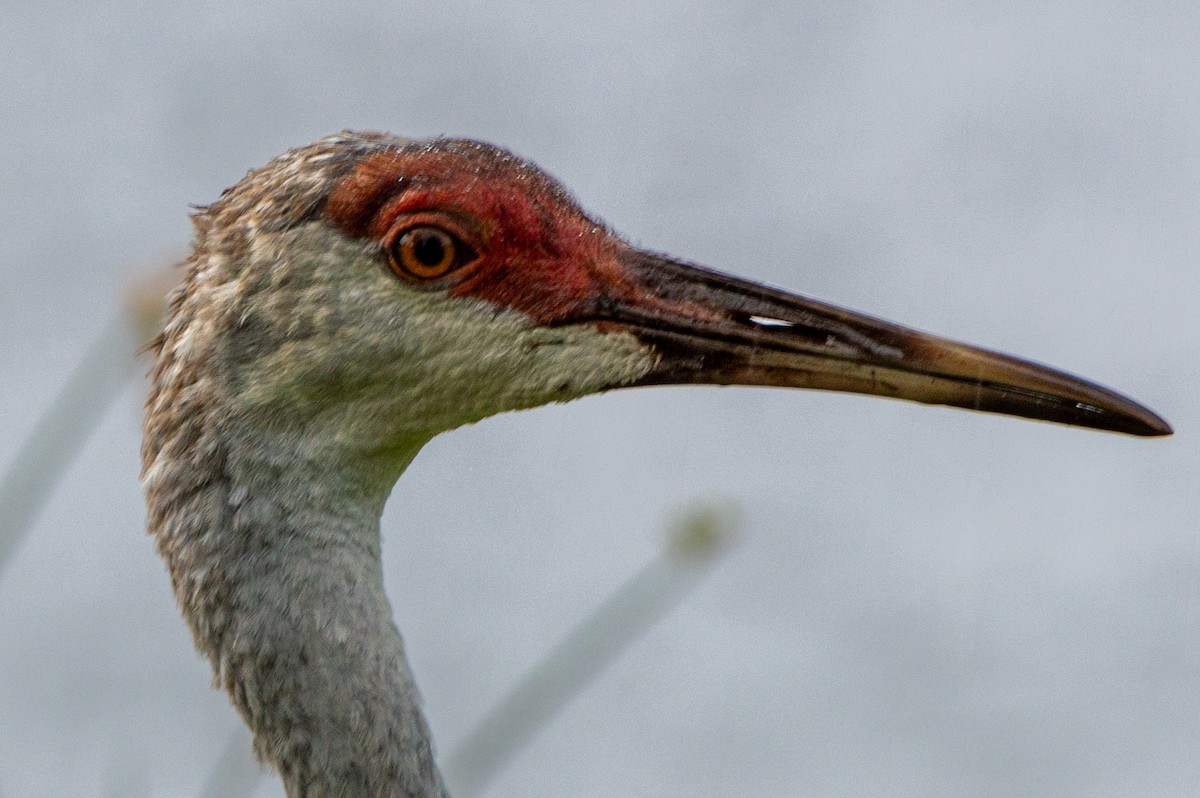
[712,328]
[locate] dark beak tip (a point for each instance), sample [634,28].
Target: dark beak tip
[1133,418]
[1156,427]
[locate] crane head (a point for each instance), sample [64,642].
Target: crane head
[372,290]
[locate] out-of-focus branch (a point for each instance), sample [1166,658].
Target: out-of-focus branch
[702,535]
[64,426]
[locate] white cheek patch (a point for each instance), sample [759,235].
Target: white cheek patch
[386,358]
[484,359]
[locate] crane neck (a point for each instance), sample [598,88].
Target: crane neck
[275,560]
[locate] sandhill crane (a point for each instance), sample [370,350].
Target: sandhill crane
[355,297]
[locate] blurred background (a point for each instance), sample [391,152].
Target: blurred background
[925,602]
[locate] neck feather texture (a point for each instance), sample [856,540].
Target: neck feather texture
[295,378]
[275,561]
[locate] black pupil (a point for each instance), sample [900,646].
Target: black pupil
[429,249]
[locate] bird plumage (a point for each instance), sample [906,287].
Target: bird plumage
[355,297]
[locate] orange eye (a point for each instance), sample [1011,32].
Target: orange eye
[424,254]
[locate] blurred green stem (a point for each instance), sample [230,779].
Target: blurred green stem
[588,649]
[61,432]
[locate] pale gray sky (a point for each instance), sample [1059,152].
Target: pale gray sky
[928,602]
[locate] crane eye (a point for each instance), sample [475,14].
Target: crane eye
[425,253]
